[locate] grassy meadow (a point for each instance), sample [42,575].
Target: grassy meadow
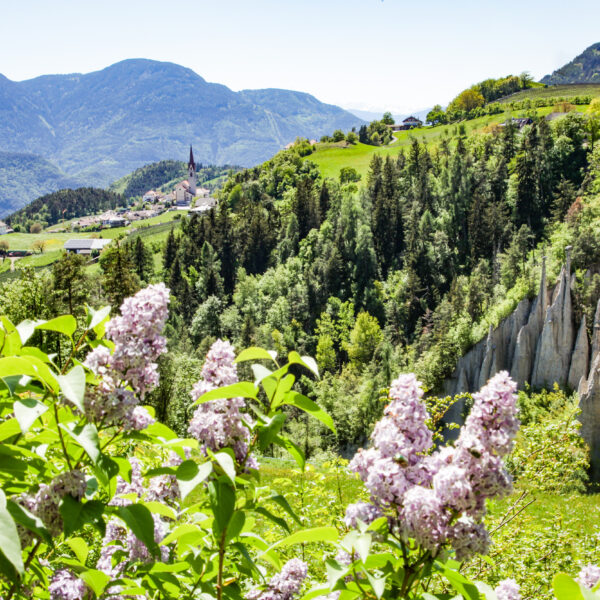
[331,157]
[534,534]
[554,91]
[151,230]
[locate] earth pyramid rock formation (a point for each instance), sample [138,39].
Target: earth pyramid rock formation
[539,345]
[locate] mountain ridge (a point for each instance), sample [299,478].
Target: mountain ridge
[98,126]
[584,68]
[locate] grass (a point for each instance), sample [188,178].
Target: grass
[554,91]
[154,230]
[330,158]
[551,534]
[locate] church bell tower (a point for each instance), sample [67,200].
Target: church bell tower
[192,173]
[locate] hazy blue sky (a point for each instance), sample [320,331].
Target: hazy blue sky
[369,54]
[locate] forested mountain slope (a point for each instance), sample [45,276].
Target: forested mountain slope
[24,177]
[584,68]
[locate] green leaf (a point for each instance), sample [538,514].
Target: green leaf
[243,389]
[307,405]
[261,510]
[459,582]
[255,353]
[182,530]
[98,316]
[305,361]
[260,373]
[160,509]
[66,324]
[267,432]
[72,385]
[9,429]
[27,410]
[86,437]
[279,499]
[28,520]
[26,329]
[566,588]
[76,514]
[10,545]
[226,463]
[190,475]
[80,548]
[96,580]
[139,519]
[236,524]
[487,590]
[377,583]
[222,500]
[28,365]
[294,450]
[316,534]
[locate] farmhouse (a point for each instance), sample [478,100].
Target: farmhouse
[408,123]
[4,228]
[88,246]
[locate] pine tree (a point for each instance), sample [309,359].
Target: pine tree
[170,251]
[119,279]
[142,260]
[70,284]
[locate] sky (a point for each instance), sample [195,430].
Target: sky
[362,54]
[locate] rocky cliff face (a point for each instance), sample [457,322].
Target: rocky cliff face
[538,344]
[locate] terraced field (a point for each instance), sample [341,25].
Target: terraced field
[554,91]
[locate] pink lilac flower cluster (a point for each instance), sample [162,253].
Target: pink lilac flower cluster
[439,498]
[138,343]
[117,537]
[508,589]
[65,586]
[362,511]
[589,576]
[218,424]
[285,585]
[45,504]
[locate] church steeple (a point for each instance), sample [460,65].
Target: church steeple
[192,173]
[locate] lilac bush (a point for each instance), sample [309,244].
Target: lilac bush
[438,498]
[84,462]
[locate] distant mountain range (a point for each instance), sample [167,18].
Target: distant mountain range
[100,126]
[371,115]
[25,177]
[584,68]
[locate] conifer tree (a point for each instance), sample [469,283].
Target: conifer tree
[70,284]
[119,279]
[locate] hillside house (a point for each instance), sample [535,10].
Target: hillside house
[88,246]
[408,123]
[204,205]
[151,196]
[4,228]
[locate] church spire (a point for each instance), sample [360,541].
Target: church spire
[191,163]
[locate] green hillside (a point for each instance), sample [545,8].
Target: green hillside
[566,91]
[330,157]
[584,68]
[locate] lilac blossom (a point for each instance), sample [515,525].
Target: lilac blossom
[285,585]
[362,511]
[65,586]
[508,589]
[137,339]
[438,498]
[589,576]
[48,498]
[219,424]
